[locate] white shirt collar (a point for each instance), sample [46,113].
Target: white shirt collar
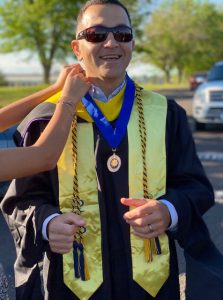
[98,94]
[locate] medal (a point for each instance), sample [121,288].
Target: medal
[112,134]
[114,163]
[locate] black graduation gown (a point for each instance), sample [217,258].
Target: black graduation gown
[30,200]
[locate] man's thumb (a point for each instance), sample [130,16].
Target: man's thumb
[72,218]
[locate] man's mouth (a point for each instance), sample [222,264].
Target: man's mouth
[110,57]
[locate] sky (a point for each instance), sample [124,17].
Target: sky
[16,63]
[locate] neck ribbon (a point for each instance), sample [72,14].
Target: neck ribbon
[113,135]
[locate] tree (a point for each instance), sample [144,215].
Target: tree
[139,11]
[43,27]
[178,35]
[208,45]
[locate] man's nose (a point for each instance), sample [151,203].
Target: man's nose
[110,41]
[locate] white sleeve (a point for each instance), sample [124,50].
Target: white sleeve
[45,223]
[173,214]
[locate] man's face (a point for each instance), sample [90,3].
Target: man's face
[110,58]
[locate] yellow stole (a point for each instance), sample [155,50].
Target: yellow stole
[150,275]
[110,109]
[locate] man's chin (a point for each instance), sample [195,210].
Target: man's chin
[112,74]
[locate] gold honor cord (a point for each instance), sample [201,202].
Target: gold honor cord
[152,246]
[80,266]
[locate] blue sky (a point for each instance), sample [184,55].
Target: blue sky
[17,63]
[216,1]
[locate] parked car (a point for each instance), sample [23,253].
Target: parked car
[208,98]
[6,141]
[196,79]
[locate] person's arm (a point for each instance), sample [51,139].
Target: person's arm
[43,155]
[14,113]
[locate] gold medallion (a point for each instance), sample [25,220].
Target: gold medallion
[114,163]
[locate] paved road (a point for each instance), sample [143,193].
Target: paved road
[210,149]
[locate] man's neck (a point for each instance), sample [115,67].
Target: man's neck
[109,85]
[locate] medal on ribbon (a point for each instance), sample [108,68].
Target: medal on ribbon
[113,135]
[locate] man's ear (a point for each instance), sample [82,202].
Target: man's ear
[76,49]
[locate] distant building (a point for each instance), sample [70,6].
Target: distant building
[27,79]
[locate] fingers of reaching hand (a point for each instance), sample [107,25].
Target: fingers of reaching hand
[76,86]
[76,69]
[66,70]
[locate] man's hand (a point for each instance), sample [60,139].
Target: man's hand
[149,219]
[61,232]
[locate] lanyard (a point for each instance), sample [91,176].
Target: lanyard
[113,135]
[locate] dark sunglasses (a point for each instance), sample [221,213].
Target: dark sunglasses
[98,34]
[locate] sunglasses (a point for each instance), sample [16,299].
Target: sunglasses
[98,34]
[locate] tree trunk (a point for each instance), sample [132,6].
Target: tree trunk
[167,75]
[180,74]
[46,73]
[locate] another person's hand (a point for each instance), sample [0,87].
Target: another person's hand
[62,230]
[149,219]
[76,85]
[58,85]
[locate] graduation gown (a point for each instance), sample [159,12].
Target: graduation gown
[29,201]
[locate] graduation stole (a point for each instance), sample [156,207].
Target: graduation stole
[148,273]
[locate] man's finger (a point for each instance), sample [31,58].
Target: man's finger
[71,218]
[133,202]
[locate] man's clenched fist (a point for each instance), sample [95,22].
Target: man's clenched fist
[61,232]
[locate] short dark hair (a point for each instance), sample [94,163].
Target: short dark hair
[100,2]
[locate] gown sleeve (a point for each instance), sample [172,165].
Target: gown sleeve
[191,193]
[187,187]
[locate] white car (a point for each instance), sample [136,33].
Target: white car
[208,99]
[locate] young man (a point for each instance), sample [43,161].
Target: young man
[127,148]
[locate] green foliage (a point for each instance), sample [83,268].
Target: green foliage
[183,34]
[139,12]
[45,27]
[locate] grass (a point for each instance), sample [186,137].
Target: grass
[174,85]
[10,94]
[165,86]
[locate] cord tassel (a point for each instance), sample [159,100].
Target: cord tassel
[148,250]
[80,267]
[158,247]
[81,262]
[76,259]
[152,247]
